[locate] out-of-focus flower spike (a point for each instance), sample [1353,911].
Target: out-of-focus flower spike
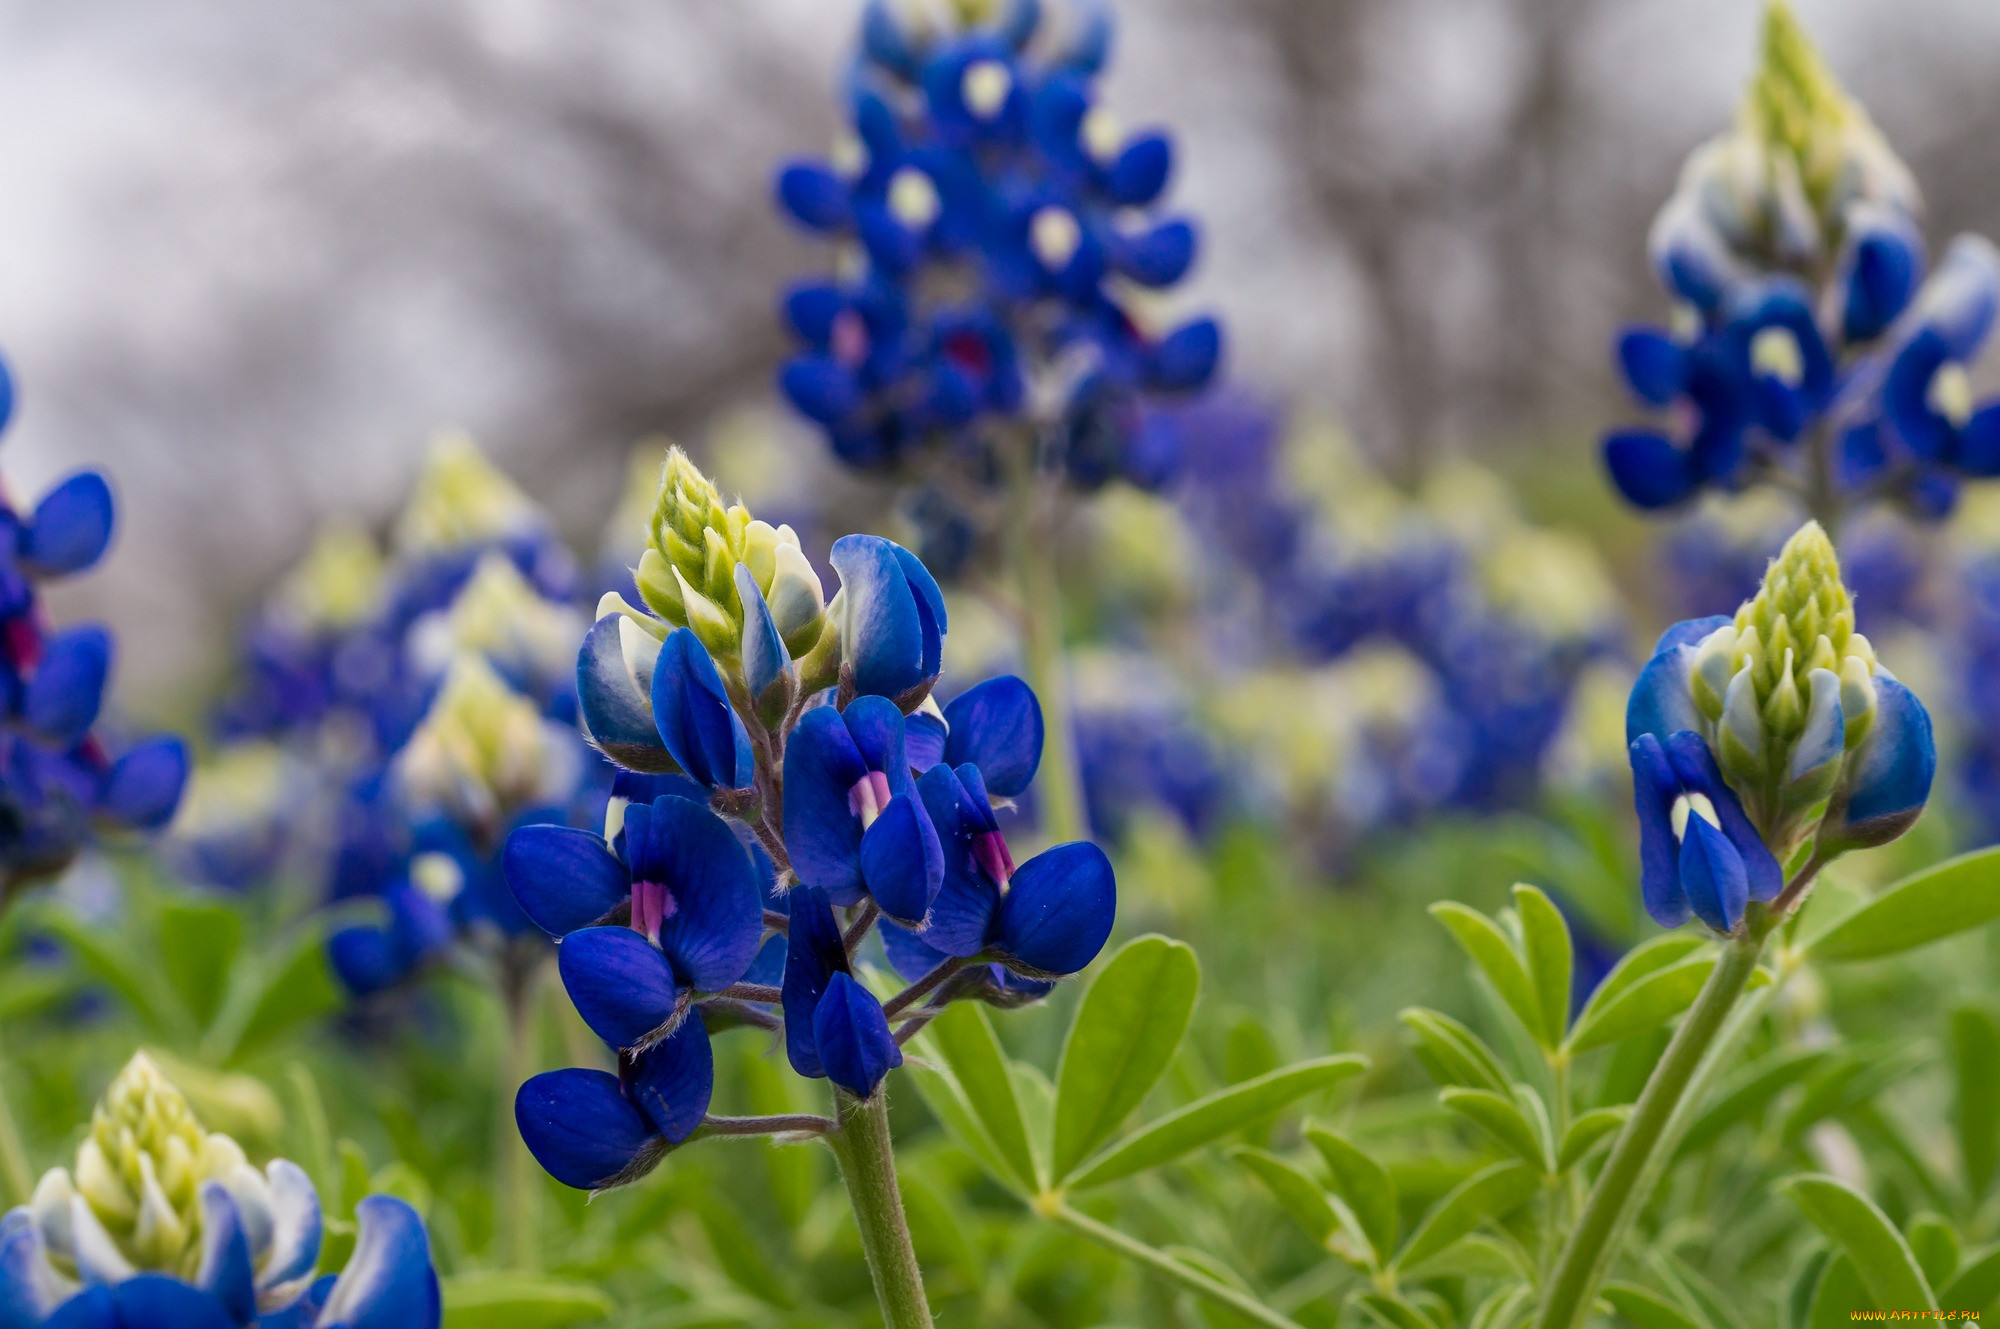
[64,694]
[143,788]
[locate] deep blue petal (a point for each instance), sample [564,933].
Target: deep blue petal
[814,953]
[1647,468]
[581,1127]
[909,954]
[1906,396]
[28,1290]
[1654,789]
[821,387]
[814,195]
[143,788]
[924,739]
[855,1045]
[1889,775]
[1978,450]
[365,960]
[1712,875]
[1882,268]
[1139,175]
[929,600]
[563,878]
[156,1301]
[62,698]
[92,1308]
[389,1282]
[997,726]
[71,526]
[1058,910]
[674,1079]
[1160,257]
[765,659]
[1694,766]
[877,728]
[225,1272]
[696,722]
[963,914]
[1660,703]
[717,920]
[619,982]
[1655,365]
[891,629]
[1185,359]
[822,834]
[617,708]
[901,860]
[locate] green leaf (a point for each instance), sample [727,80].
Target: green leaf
[108,963]
[1749,1093]
[1451,1053]
[1296,1193]
[1838,1296]
[1486,943]
[199,941]
[1924,907]
[1935,1244]
[1126,1031]
[963,1037]
[1365,1186]
[1647,1310]
[1646,1004]
[1585,1132]
[1545,937]
[1975,1060]
[1976,1285]
[1492,1193]
[1648,957]
[1850,1219]
[1390,1310]
[297,989]
[1502,1118]
[521,1301]
[948,1103]
[1211,1118]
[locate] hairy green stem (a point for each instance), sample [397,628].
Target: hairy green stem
[862,1147]
[520,1187]
[1165,1265]
[1059,791]
[1586,1256]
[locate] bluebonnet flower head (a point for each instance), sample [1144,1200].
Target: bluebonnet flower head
[165,1225]
[998,233]
[1770,741]
[1813,347]
[749,848]
[60,785]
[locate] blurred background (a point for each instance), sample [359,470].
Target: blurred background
[252,257]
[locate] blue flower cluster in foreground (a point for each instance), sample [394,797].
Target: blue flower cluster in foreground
[59,783]
[998,235]
[816,793]
[164,1225]
[425,705]
[1815,345]
[1770,742]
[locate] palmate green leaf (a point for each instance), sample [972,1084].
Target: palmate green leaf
[1648,1310]
[1585,1132]
[1492,1193]
[1451,1053]
[963,1037]
[1127,1029]
[1927,906]
[1208,1119]
[521,1301]
[1364,1185]
[1646,1004]
[1865,1235]
[1545,938]
[1487,945]
[199,942]
[1296,1193]
[1502,1118]
[1975,1062]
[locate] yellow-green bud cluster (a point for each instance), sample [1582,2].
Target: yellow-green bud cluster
[338,582]
[141,1167]
[1797,108]
[483,750]
[461,498]
[687,575]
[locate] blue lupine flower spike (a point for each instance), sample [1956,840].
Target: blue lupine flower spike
[834,1027]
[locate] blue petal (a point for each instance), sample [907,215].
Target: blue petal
[822,388]
[1962,296]
[1655,365]
[28,1286]
[156,1301]
[814,195]
[297,1226]
[1883,263]
[1889,774]
[893,617]
[1140,174]
[766,662]
[909,954]
[924,739]
[619,982]
[717,921]
[1691,259]
[1185,359]
[365,960]
[581,1127]
[71,525]
[563,878]
[1160,257]
[811,308]
[901,860]
[225,1272]
[1979,443]
[1058,910]
[997,726]
[92,1308]
[1694,766]
[1712,875]
[876,727]
[62,699]
[617,708]
[695,719]
[963,913]
[822,834]
[1654,789]
[1660,703]
[389,1282]
[1906,396]
[143,788]
[1648,469]
[673,1080]
[814,953]
[853,1037]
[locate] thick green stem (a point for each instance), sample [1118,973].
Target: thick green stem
[867,1161]
[1168,1267]
[1059,790]
[520,1186]
[1586,1257]
[17,1179]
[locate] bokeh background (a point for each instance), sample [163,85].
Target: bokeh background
[252,256]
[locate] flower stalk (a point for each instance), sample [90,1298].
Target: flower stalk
[862,1146]
[1033,554]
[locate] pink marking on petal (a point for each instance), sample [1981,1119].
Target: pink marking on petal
[989,850]
[849,338]
[868,797]
[652,905]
